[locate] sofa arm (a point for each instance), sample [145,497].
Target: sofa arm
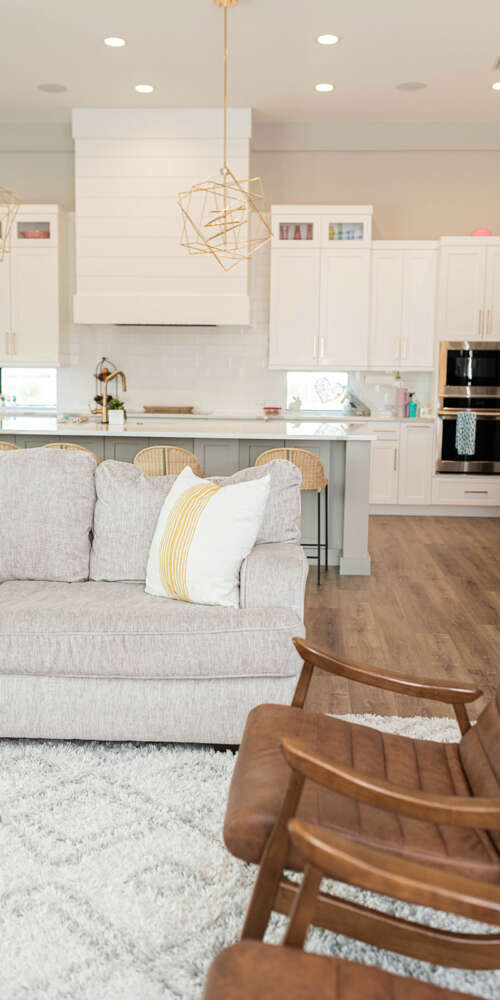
[274,576]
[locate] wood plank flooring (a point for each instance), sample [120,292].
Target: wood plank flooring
[430,608]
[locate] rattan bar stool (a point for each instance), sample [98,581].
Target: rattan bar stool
[166,460]
[66,446]
[7,446]
[313,479]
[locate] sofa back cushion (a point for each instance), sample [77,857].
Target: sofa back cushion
[47,500]
[480,755]
[129,503]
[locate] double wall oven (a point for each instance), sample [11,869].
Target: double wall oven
[469,379]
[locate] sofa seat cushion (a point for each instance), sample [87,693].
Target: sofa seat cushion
[97,629]
[261,777]
[251,970]
[47,500]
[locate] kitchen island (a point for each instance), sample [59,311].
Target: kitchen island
[225,446]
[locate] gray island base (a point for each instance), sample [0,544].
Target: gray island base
[225,446]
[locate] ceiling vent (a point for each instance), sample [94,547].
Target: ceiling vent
[130,266]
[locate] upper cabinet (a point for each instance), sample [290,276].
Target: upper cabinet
[34,289]
[469,288]
[403,304]
[320,286]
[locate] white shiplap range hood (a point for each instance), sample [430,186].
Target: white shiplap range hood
[130,266]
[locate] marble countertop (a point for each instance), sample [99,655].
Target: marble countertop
[261,430]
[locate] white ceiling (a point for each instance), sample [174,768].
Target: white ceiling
[451,45]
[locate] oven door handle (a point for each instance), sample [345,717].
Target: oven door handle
[452,414]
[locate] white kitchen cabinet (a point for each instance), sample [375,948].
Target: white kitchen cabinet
[344,308]
[32,292]
[469,294]
[320,287]
[384,471]
[403,298]
[294,319]
[416,464]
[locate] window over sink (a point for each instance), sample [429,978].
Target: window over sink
[317,392]
[28,388]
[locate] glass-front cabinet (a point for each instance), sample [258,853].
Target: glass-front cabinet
[321,226]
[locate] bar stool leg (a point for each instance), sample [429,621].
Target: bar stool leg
[319,539]
[326,528]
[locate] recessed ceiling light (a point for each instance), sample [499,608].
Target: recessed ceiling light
[115,42]
[328,39]
[52,88]
[411,85]
[324,88]
[496,85]
[144,88]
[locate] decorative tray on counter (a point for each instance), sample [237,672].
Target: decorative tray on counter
[168,409]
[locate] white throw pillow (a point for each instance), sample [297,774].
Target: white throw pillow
[203,533]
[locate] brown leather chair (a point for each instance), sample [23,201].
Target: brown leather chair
[252,970]
[419,801]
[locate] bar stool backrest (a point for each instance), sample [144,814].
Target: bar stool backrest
[166,460]
[67,446]
[311,467]
[7,446]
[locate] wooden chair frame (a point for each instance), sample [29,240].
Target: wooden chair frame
[375,870]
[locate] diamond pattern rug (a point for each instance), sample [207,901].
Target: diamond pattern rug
[115,883]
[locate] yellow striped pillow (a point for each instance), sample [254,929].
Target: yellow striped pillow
[202,535]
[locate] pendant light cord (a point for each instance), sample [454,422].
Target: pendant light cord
[225,89]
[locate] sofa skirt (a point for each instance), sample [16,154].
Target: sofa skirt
[164,711]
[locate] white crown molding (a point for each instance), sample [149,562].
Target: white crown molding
[372,136]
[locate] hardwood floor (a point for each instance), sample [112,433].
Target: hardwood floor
[431,608]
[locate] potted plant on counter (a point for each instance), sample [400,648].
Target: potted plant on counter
[117,413]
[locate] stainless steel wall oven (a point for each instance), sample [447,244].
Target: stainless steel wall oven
[469,379]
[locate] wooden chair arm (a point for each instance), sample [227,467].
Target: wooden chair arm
[448,692]
[379,871]
[456,810]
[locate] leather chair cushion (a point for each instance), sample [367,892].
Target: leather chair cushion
[251,970]
[480,755]
[261,777]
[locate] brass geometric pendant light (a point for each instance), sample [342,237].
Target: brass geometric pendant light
[224,216]
[9,206]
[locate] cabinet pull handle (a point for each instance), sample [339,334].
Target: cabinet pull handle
[480,324]
[477,491]
[404,345]
[488,322]
[14,351]
[315,348]
[396,349]
[321,348]
[6,343]
[395,460]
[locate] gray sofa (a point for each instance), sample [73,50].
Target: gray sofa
[87,654]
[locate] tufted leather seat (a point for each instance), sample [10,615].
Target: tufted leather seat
[470,767]
[251,970]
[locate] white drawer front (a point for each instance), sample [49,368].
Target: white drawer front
[466,490]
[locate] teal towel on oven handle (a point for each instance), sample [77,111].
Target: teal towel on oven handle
[465,434]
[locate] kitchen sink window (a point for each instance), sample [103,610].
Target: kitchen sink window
[28,389]
[316,392]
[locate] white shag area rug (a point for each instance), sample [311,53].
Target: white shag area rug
[115,883]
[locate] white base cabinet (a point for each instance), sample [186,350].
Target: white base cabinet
[402,463]
[33,291]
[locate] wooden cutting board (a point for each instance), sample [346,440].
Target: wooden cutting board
[168,409]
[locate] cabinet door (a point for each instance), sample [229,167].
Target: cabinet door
[419,309]
[461,292]
[492,300]
[35,307]
[294,320]
[416,464]
[386,308]
[5,317]
[344,308]
[384,472]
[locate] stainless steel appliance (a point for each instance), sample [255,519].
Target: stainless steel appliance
[469,379]
[468,369]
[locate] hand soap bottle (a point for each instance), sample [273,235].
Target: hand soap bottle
[412,406]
